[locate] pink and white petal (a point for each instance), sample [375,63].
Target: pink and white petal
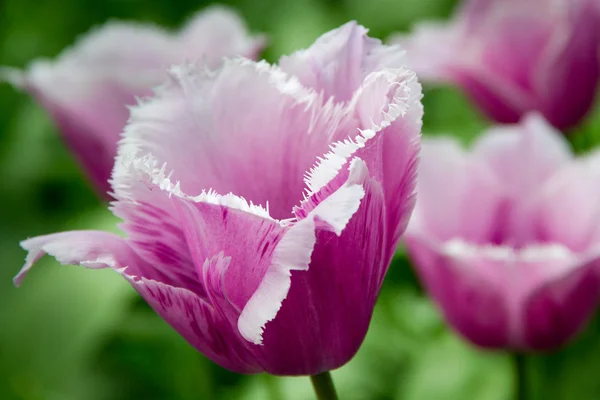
[91,249]
[338,62]
[190,122]
[456,195]
[90,125]
[345,274]
[368,144]
[198,323]
[190,315]
[512,45]
[520,280]
[221,32]
[212,226]
[258,276]
[430,49]
[523,156]
[384,98]
[151,222]
[401,148]
[459,281]
[291,253]
[558,309]
[567,208]
[573,53]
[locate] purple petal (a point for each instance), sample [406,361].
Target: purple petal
[521,296]
[151,222]
[254,260]
[195,319]
[568,75]
[471,300]
[557,311]
[512,57]
[198,322]
[345,274]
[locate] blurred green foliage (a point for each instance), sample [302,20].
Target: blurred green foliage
[72,334]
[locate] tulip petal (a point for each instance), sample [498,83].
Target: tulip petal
[558,310]
[151,222]
[512,57]
[91,249]
[566,209]
[197,322]
[522,296]
[459,200]
[222,33]
[430,49]
[345,274]
[572,54]
[88,87]
[383,98]
[523,156]
[250,145]
[194,318]
[257,277]
[338,62]
[471,300]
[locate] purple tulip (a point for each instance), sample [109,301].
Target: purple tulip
[87,89]
[327,141]
[506,238]
[516,56]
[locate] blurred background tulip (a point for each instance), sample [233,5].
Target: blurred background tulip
[90,85]
[515,56]
[507,238]
[71,333]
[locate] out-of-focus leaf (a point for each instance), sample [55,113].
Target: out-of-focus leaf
[56,321]
[449,112]
[447,368]
[386,16]
[586,138]
[572,373]
[297,24]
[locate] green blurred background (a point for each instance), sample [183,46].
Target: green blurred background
[74,334]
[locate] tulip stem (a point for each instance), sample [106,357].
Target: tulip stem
[323,385]
[520,376]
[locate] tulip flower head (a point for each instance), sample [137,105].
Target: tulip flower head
[515,56]
[262,204]
[506,238]
[88,87]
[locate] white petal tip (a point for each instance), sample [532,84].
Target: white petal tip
[13,76]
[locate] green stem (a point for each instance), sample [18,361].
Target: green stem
[324,386]
[520,376]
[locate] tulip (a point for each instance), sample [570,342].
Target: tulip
[514,56]
[506,238]
[88,88]
[262,204]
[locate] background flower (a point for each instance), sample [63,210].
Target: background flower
[515,56]
[506,238]
[88,87]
